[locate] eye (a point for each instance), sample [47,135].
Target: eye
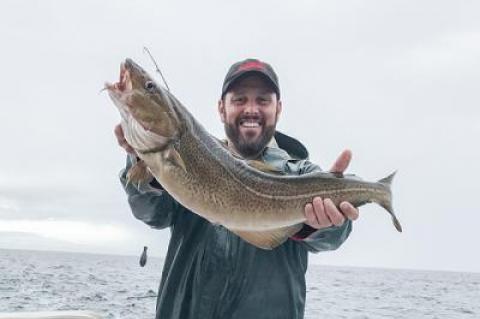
[238,100]
[150,85]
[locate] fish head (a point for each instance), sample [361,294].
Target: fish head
[149,120]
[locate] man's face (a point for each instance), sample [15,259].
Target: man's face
[250,111]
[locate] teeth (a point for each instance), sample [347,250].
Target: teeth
[250,124]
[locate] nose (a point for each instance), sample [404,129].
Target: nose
[251,107]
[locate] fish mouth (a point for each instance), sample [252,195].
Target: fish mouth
[124,84]
[121,92]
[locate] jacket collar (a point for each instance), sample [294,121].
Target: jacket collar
[292,146]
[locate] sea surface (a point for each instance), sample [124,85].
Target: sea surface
[117,287]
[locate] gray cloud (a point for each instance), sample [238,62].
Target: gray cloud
[395,82]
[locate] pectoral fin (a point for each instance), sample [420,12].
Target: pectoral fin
[264,167]
[173,156]
[268,239]
[139,174]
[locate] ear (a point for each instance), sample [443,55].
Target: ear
[279,109]
[221,110]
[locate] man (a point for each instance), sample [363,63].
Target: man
[209,272]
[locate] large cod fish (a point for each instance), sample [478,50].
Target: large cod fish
[262,207]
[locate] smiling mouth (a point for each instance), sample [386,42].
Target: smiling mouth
[251,122]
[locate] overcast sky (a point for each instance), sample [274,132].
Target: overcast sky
[396,82]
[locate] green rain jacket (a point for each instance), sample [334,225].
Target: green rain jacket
[209,272]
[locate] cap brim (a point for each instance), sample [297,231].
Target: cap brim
[240,75]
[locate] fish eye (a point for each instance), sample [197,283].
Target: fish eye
[150,85]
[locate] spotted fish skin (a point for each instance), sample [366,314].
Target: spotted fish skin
[195,168]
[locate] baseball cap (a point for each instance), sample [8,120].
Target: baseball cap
[241,68]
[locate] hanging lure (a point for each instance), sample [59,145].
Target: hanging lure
[143,257]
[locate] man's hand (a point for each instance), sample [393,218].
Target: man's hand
[121,139]
[323,213]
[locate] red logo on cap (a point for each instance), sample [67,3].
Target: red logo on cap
[250,65]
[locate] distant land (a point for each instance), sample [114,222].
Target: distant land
[29,241]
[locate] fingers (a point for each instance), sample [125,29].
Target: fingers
[342,162]
[333,213]
[349,211]
[315,214]
[323,213]
[311,216]
[121,139]
[119,133]
[319,214]
[319,207]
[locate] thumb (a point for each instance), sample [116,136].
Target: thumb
[342,162]
[119,132]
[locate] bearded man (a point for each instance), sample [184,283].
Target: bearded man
[209,272]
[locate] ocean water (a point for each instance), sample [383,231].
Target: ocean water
[116,287]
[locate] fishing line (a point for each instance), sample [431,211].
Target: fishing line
[156,66]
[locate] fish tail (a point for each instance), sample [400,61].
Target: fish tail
[387,182]
[388,207]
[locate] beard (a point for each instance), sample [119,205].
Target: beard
[249,149]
